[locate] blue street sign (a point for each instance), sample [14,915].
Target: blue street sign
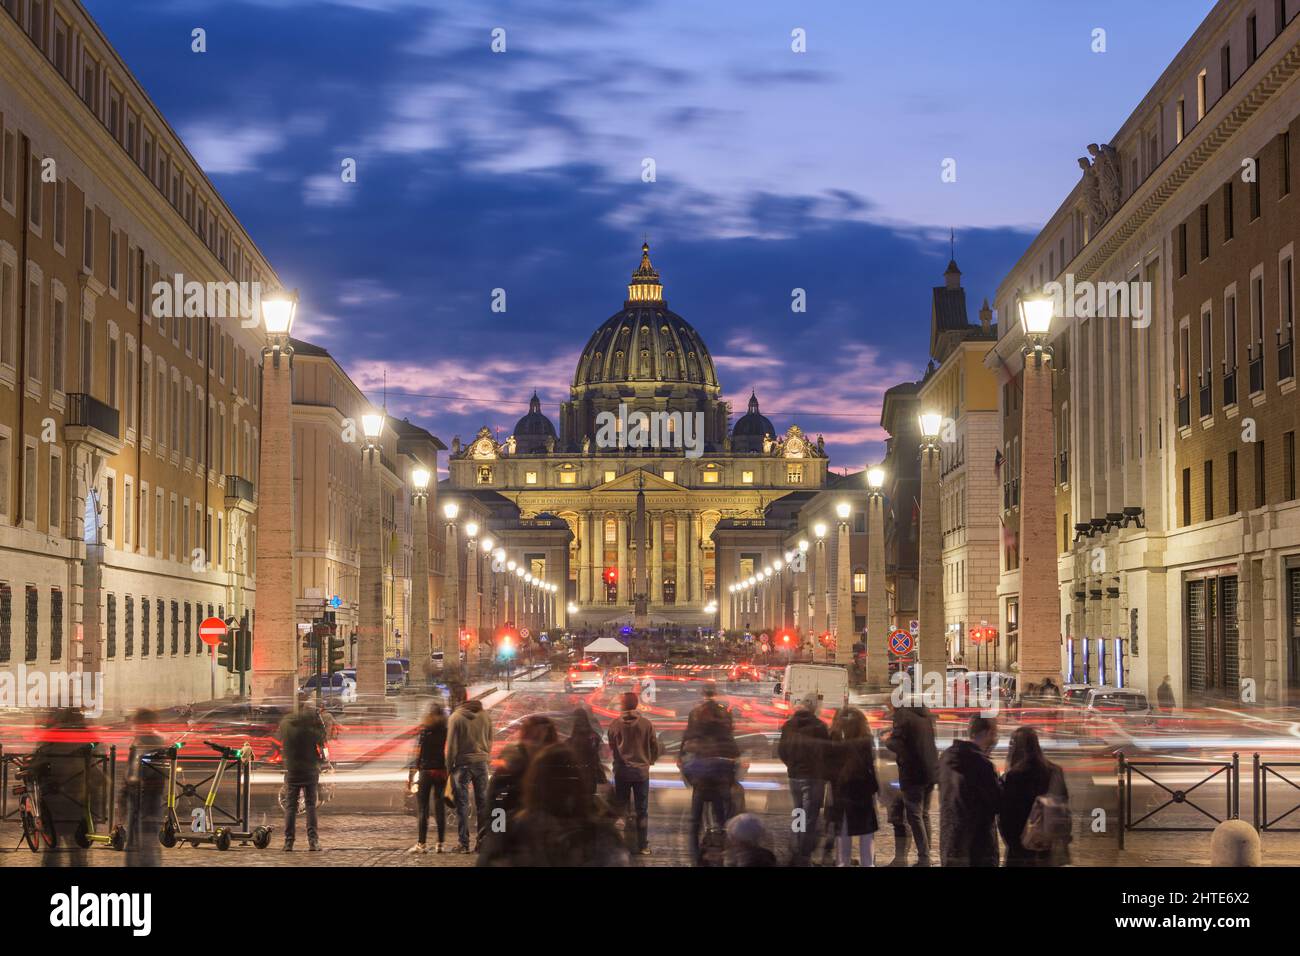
[335,601]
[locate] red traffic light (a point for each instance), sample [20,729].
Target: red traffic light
[785,638]
[611,575]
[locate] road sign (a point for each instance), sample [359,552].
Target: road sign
[525,633]
[336,601]
[900,642]
[212,630]
[914,626]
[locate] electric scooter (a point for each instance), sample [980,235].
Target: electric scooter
[85,836]
[202,825]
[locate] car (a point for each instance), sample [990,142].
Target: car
[335,688]
[583,676]
[741,672]
[1118,702]
[394,676]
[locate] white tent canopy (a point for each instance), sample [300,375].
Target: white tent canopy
[605,645]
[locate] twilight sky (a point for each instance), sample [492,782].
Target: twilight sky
[522,170]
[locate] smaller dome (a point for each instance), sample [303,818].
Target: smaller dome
[532,431]
[752,428]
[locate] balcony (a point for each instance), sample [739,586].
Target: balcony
[239,493]
[1063,468]
[1257,374]
[95,422]
[1184,411]
[1285,359]
[1207,402]
[1229,387]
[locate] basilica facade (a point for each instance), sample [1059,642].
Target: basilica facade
[622,518]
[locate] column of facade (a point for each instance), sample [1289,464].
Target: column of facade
[371,676]
[697,565]
[275,641]
[657,558]
[877,599]
[932,652]
[624,592]
[683,589]
[595,571]
[1040,603]
[586,556]
[820,588]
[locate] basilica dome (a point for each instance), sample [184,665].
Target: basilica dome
[534,429]
[646,343]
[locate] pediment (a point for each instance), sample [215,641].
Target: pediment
[648,481]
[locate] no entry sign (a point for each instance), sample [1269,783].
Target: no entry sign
[900,642]
[212,630]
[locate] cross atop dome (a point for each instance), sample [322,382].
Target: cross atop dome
[645,285]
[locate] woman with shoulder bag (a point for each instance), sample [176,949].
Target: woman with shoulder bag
[429,763]
[1034,814]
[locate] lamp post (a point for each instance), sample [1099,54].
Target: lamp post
[932,654]
[421,641]
[1040,603]
[275,641]
[473,615]
[843,588]
[371,671]
[451,667]
[877,599]
[485,546]
[779,566]
[821,583]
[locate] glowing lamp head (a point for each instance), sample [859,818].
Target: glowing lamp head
[842,510]
[1036,315]
[519,571]
[471,530]
[499,554]
[778,564]
[450,510]
[875,478]
[803,544]
[487,543]
[931,422]
[510,565]
[420,479]
[278,311]
[372,425]
[819,530]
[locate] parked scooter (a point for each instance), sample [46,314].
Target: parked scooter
[203,828]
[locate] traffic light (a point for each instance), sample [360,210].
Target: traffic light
[243,653]
[611,576]
[506,645]
[226,651]
[335,655]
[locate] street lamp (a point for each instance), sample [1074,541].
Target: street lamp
[451,597]
[932,651]
[371,636]
[843,588]
[421,640]
[372,426]
[931,424]
[450,509]
[877,600]
[875,479]
[821,582]
[1036,313]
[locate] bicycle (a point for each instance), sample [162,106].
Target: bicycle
[324,790]
[34,813]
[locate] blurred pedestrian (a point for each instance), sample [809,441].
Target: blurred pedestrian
[969,794]
[1031,779]
[302,743]
[912,741]
[708,761]
[506,788]
[430,763]
[558,824]
[802,749]
[145,791]
[584,741]
[1165,696]
[746,842]
[469,747]
[852,771]
[635,748]
[67,782]
[1049,689]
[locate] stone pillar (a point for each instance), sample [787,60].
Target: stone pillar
[421,643]
[932,651]
[473,605]
[877,596]
[586,556]
[275,640]
[696,558]
[844,635]
[657,558]
[371,671]
[820,589]
[624,592]
[1040,603]
[683,584]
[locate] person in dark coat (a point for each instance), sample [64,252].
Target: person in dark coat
[634,746]
[1029,776]
[912,742]
[802,750]
[852,771]
[558,824]
[1165,696]
[67,782]
[144,792]
[969,794]
[302,739]
[430,763]
[708,761]
[584,741]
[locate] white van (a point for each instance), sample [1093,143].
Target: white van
[830,682]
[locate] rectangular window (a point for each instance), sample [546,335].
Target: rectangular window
[1288,465]
[56,490]
[670,476]
[1209,489]
[794,475]
[1200,95]
[130,626]
[113,261]
[1284,148]
[1228,229]
[710,477]
[746,477]
[88,240]
[610,476]
[1182,249]
[6,622]
[530,477]
[1180,120]
[111,628]
[1252,39]
[35,194]
[1205,231]
[1233,503]
[34,329]
[1187,497]
[61,213]
[568,478]
[1261,486]
[32,617]
[29,483]
[1254,191]
[9,169]
[1225,68]
[56,624]
[859,582]
[58,344]
[8,314]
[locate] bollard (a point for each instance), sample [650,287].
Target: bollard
[1235,843]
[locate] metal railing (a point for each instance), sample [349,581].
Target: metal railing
[1125,769]
[237,487]
[1285,361]
[1257,374]
[1063,472]
[88,411]
[1230,387]
[103,803]
[1207,408]
[1262,771]
[1184,411]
